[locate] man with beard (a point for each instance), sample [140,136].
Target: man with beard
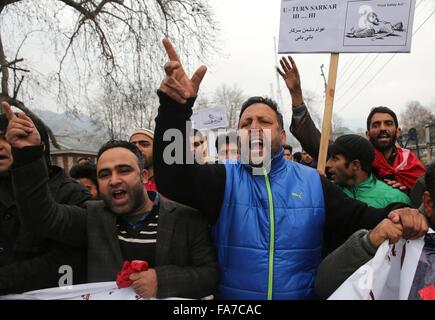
[143,140]
[397,166]
[129,224]
[350,166]
[271,218]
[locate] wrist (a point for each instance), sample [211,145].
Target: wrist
[374,240]
[297,99]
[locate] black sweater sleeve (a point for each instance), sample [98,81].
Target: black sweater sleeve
[37,208]
[345,215]
[200,186]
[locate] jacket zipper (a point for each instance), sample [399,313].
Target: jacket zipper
[272,236]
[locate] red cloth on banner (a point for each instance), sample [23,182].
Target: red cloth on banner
[151,185]
[427,293]
[406,168]
[129,267]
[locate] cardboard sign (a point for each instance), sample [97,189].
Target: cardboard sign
[211,118]
[340,26]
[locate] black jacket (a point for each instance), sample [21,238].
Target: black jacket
[28,261]
[185,256]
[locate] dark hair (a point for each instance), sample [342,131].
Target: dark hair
[198,133]
[297,157]
[39,126]
[381,110]
[288,147]
[126,145]
[229,137]
[267,101]
[87,159]
[84,170]
[365,166]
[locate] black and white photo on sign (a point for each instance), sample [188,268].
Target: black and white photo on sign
[377,22]
[314,26]
[211,118]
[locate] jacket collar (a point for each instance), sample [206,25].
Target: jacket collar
[366,184]
[277,164]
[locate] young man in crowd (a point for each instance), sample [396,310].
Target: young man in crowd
[129,224]
[227,146]
[288,151]
[86,174]
[350,166]
[397,166]
[143,139]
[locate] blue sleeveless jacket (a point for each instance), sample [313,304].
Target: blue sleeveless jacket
[269,232]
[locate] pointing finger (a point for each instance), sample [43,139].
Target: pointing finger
[8,110]
[172,54]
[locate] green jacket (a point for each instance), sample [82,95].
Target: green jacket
[376,193]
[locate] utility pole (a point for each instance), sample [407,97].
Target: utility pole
[323,76]
[272,92]
[278,87]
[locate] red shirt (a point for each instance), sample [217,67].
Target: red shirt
[151,185]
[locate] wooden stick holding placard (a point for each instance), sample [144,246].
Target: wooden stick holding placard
[327,115]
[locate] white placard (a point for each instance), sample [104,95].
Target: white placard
[211,118]
[313,26]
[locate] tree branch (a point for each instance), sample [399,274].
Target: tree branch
[4,70]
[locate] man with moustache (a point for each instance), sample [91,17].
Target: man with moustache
[272,218]
[129,224]
[399,167]
[143,139]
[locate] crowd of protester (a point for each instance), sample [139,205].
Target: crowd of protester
[257,222]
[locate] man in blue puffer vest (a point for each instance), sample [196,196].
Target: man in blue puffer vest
[272,219]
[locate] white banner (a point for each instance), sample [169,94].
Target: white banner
[397,272]
[88,291]
[346,26]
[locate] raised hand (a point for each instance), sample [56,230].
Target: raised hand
[21,131]
[290,74]
[177,84]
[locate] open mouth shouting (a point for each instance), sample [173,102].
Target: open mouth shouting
[119,197]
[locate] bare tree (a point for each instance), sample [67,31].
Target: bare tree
[231,98]
[337,122]
[416,116]
[312,101]
[94,41]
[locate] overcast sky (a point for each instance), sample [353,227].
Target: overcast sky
[248,59]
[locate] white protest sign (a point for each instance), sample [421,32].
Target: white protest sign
[211,118]
[314,26]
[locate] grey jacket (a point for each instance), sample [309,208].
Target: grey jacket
[342,263]
[185,256]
